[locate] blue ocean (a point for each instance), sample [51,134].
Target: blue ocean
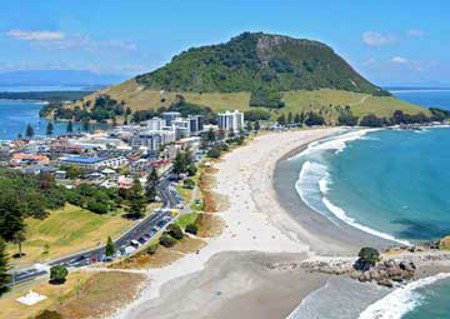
[392,184]
[15,115]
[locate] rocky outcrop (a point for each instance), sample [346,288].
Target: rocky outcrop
[387,273]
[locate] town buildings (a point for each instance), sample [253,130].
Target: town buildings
[231,121]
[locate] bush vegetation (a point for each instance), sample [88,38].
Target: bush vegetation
[58,275]
[167,241]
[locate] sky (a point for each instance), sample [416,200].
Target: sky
[396,42]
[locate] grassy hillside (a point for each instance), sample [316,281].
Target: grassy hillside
[279,73]
[138,98]
[66,231]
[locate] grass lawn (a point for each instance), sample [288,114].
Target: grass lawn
[296,101]
[66,231]
[84,294]
[10,308]
[186,219]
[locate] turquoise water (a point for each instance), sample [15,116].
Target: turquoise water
[396,182]
[433,302]
[15,115]
[392,184]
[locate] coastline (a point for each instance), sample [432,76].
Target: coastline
[255,225]
[255,260]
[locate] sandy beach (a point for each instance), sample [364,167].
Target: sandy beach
[232,268]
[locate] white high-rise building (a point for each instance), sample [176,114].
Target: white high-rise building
[155,124]
[152,140]
[231,121]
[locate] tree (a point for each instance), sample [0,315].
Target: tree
[19,238]
[290,118]
[175,231]
[348,119]
[214,152]
[369,255]
[4,266]
[58,274]
[11,216]
[29,132]
[49,314]
[257,126]
[211,135]
[150,186]
[249,127]
[179,163]
[183,163]
[69,128]
[297,119]
[191,229]
[137,200]
[50,128]
[109,250]
[314,119]
[189,183]
[167,241]
[151,250]
[281,119]
[371,120]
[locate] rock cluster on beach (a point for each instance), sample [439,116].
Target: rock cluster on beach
[386,273]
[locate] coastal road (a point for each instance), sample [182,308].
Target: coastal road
[148,225]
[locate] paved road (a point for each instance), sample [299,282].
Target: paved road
[148,226]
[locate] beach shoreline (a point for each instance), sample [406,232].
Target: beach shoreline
[255,223]
[232,272]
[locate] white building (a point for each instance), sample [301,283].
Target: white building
[155,124]
[231,121]
[152,140]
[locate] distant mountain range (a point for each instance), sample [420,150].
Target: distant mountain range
[81,78]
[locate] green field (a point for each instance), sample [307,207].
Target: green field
[326,100]
[187,219]
[66,231]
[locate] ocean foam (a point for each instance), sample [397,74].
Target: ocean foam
[340,213]
[336,143]
[314,182]
[400,301]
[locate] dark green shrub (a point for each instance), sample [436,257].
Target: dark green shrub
[151,250]
[369,255]
[58,275]
[191,229]
[175,231]
[167,241]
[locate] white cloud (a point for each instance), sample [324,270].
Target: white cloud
[57,40]
[416,33]
[37,36]
[372,38]
[399,60]
[369,61]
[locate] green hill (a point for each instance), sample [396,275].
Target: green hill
[252,70]
[257,61]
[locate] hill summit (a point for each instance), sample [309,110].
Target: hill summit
[258,62]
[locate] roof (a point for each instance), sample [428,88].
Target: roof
[22,156]
[82,160]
